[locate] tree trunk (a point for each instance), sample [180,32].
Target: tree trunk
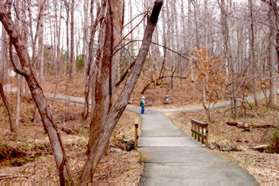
[36,92]
[252,53]
[103,77]
[85,32]
[91,65]
[271,60]
[72,40]
[110,120]
[67,7]
[196,14]
[41,44]
[18,100]
[117,11]
[228,56]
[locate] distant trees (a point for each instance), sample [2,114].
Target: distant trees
[238,31]
[3,69]
[230,72]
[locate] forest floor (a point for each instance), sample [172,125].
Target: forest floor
[185,92]
[123,166]
[27,156]
[237,144]
[154,95]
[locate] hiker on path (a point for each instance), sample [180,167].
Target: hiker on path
[142,104]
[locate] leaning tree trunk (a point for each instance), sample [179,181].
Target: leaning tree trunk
[102,81]
[117,11]
[91,62]
[18,99]
[110,120]
[36,92]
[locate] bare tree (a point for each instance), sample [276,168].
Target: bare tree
[40,31]
[108,113]
[228,55]
[72,40]
[67,22]
[271,56]
[40,100]
[91,63]
[252,52]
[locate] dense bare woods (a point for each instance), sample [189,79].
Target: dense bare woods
[227,49]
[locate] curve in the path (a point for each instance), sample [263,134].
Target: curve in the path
[186,108]
[173,159]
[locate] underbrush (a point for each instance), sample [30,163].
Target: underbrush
[275,141]
[18,154]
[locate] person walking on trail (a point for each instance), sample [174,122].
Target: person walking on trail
[142,104]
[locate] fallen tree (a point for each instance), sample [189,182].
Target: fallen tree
[243,125]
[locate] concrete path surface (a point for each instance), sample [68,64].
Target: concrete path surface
[173,159]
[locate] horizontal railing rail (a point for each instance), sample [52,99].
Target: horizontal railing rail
[199,131]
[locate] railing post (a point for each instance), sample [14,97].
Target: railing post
[192,128]
[195,130]
[199,133]
[206,134]
[136,134]
[202,134]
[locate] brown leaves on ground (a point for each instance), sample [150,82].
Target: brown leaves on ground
[38,165]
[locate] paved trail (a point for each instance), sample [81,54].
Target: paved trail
[173,159]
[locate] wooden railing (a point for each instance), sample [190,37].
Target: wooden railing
[136,132]
[200,131]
